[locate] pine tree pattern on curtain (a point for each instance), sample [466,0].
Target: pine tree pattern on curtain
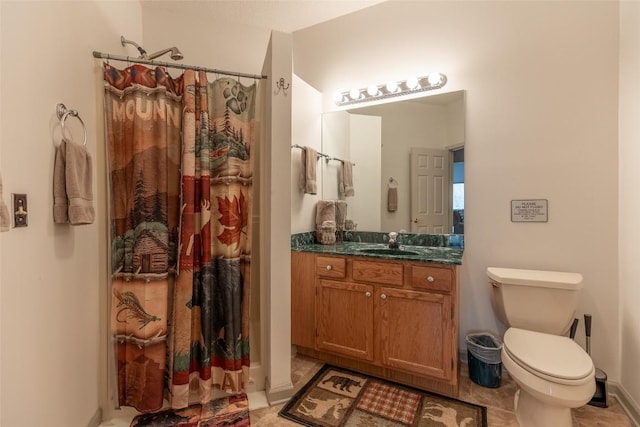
[143,115]
[180,246]
[212,287]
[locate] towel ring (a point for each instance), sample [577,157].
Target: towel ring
[62,112]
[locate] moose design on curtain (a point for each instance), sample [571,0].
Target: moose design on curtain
[180,163]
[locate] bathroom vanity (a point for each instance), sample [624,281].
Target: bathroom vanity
[391,314]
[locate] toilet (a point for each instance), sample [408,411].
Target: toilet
[553,373]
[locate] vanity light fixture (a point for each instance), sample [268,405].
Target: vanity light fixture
[392,88]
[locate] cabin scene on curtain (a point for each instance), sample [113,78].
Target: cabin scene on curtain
[181,171]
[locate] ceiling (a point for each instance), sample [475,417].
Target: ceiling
[280,15]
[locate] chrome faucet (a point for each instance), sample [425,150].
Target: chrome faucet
[394,242]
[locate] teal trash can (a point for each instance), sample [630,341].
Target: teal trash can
[485,361]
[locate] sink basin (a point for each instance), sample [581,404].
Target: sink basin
[387,251]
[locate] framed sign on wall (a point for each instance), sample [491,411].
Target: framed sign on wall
[529,210]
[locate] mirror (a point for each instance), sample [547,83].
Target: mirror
[408,158]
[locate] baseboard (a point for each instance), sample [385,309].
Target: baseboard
[627,403]
[279,394]
[96,419]
[256,378]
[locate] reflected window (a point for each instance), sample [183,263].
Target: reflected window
[458,196]
[458,192]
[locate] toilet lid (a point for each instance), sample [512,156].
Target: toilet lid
[537,278]
[552,356]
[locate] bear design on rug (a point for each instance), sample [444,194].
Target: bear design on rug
[343,383]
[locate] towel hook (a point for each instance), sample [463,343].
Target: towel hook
[282,86]
[62,112]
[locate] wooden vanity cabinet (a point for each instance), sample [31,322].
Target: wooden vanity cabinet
[393,319]
[415,332]
[303,297]
[338,330]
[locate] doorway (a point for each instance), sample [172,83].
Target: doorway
[457,190]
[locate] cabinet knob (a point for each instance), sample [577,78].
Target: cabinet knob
[415,220]
[430,279]
[383,296]
[328,267]
[367,294]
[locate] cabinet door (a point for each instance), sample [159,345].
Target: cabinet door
[344,318]
[416,332]
[303,299]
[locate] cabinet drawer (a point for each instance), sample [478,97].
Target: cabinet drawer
[431,278]
[386,273]
[331,267]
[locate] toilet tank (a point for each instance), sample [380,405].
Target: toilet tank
[535,300]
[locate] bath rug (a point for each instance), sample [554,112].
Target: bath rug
[337,397]
[232,411]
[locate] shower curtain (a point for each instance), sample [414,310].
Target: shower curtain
[180,163]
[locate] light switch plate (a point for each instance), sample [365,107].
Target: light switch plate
[20,210]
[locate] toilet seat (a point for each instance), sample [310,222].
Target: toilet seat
[555,358]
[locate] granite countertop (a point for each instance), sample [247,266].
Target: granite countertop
[436,254]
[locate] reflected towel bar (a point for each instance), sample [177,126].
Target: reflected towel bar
[326,156]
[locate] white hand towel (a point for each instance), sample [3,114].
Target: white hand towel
[309,158]
[325,211]
[392,199]
[341,214]
[72,185]
[346,184]
[60,201]
[392,195]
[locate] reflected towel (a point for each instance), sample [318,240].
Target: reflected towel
[325,211]
[309,158]
[392,199]
[72,185]
[5,218]
[341,214]
[345,184]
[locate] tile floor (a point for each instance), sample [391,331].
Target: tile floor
[499,402]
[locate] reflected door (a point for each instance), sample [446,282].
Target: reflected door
[430,191]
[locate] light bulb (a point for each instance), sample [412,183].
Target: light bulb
[412,83]
[372,90]
[392,86]
[434,78]
[337,97]
[354,94]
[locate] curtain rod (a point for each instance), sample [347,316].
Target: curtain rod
[108,56]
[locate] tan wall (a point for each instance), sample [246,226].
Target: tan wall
[629,226]
[541,122]
[52,278]
[541,81]
[306,121]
